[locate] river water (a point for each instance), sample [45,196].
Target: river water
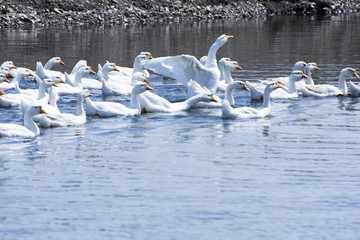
[190,175]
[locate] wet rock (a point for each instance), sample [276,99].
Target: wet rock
[103,12]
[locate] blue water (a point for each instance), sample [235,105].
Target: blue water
[190,175]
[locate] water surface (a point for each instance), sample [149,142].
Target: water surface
[190,175]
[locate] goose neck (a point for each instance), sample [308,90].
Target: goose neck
[229,94]
[266,102]
[342,83]
[80,105]
[30,124]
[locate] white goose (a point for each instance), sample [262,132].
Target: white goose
[354,89]
[226,67]
[43,73]
[104,72]
[87,82]
[249,112]
[14,99]
[298,66]
[112,109]
[28,130]
[308,71]
[184,68]
[4,71]
[67,119]
[137,66]
[257,90]
[326,90]
[77,86]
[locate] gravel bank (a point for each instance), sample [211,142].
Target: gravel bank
[42,13]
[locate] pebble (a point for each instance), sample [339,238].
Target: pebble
[107,12]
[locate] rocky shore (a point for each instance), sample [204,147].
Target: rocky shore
[43,13]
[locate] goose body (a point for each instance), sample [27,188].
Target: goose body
[229,112]
[327,90]
[28,130]
[112,109]
[354,89]
[67,119]
[77,85]
[184,68]
[257,90]
[46,72]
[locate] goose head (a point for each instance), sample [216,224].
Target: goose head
[8,64]
[3,78]
[299,65]
[84,71]
[56,61]
[139,77]
[232,65]
[108,67]
[239,85]
[34,110]
[348,73]
[140,88]
[146,54]
[6,71]
[297,75]
[223,39]
[273,86]
[48,83]
[57,79]
[85,93]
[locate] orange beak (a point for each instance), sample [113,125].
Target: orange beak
[145,80]
[6,80]
[31,75]
[54,84]
[61,62]
[317,68]
[1,92]
[245,87]
[303,75]
[14,66]
[42,110]
[355,74]
[238,67]
[278,85]
[92,72]
[62,81]
[116,69]
[229,36]
[148,87]
[10,75]
[151,57]
[212,98]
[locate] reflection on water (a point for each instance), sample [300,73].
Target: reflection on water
[190,175]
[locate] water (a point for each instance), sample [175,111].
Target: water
[190,175]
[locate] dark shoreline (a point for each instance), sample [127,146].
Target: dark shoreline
[44,13]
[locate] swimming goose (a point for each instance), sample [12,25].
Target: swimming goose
[298,66]
[308,71]
[327,90]
[354,89]
[77,86]
[184,68]
[67,119]
[87,82]
[249,112]
[28,130]
[112,109]
[45,73]
[226,67]
[13,99]
[104,72]
[290,92]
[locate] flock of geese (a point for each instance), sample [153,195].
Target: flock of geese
[203,78]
